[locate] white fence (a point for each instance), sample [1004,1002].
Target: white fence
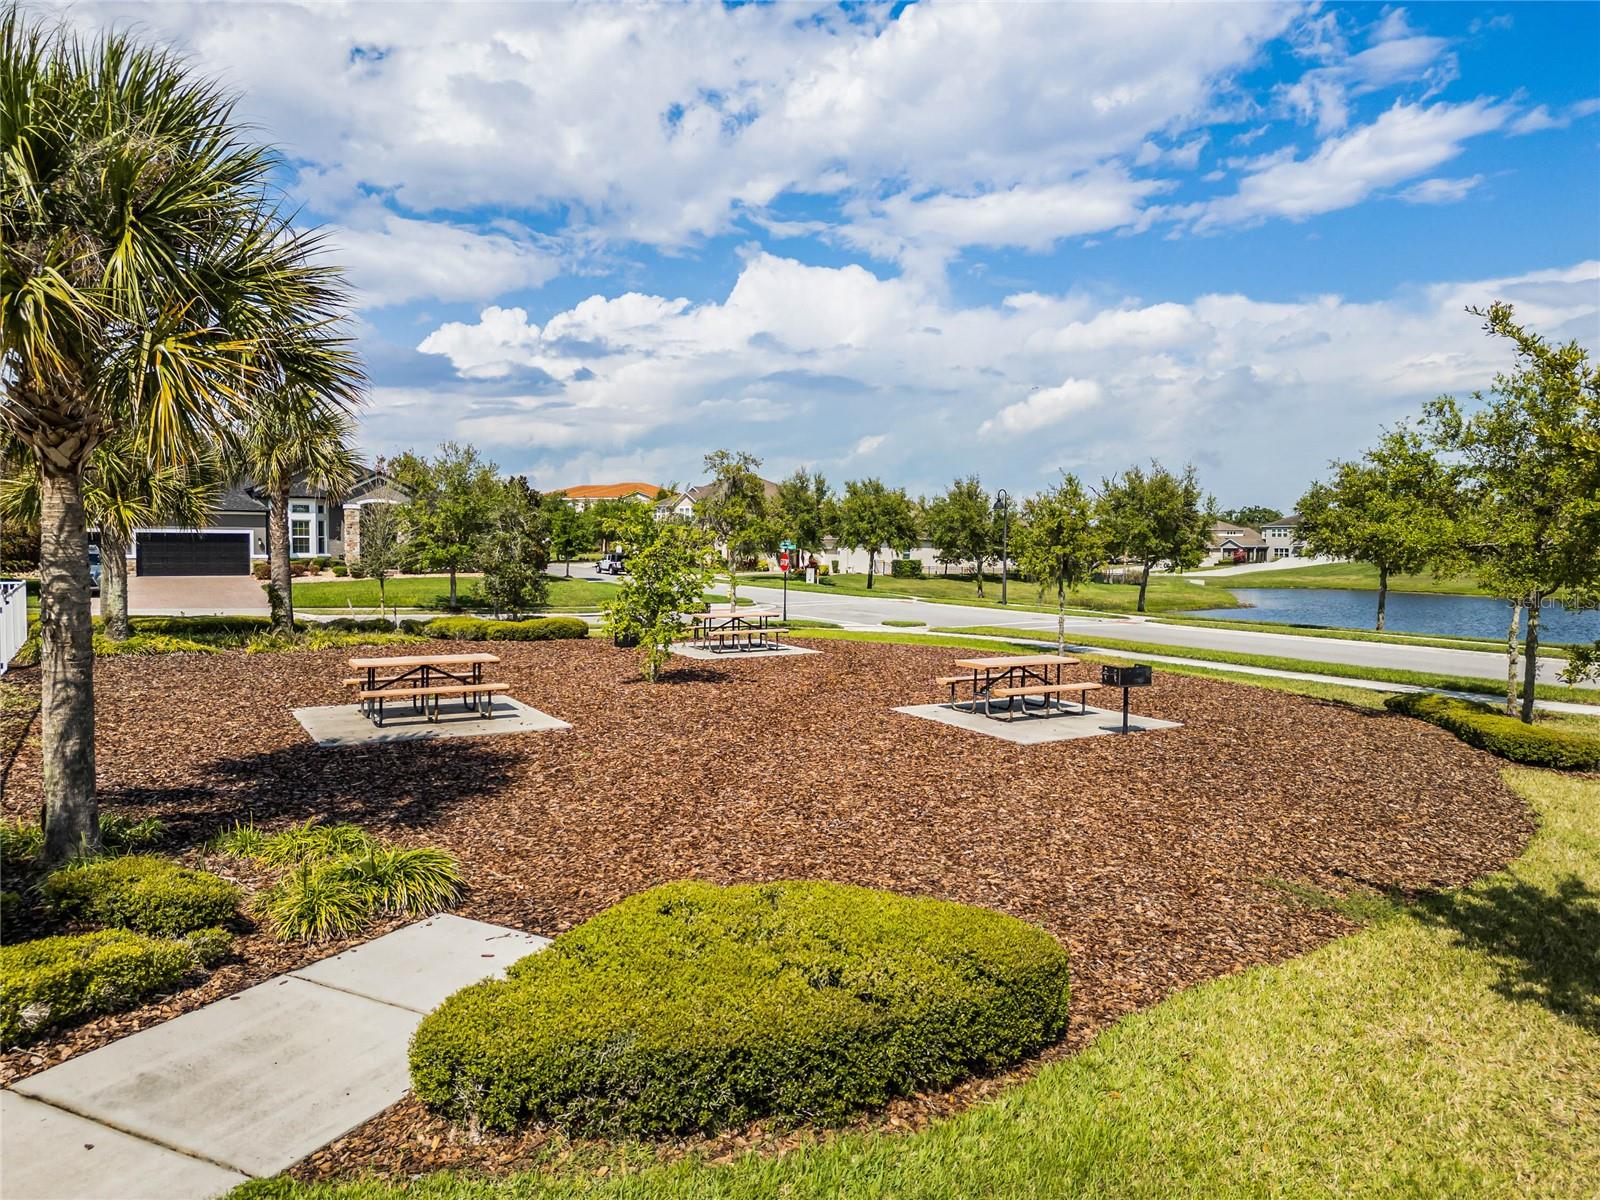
[13,619]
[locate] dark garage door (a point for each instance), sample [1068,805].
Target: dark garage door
[194,554]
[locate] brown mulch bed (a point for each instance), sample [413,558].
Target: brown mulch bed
[1152,857]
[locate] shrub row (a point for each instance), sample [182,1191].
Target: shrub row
[143,893]
[691,1007]
[1482,726]
[476,629]
[337,878]
[906,568]
[54,980]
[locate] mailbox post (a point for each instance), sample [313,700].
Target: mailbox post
[1125,678]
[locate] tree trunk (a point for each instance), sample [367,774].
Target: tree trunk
[278,571]
[569,568]
[1061,619]
[1511,659]
[1383,595]
[733,581]
[66,668]
[872,562]
[1144,583]
[980,579]
[453,604]
[114,587]
[1530,657]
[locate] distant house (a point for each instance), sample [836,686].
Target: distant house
[237,532]
[586,495]
[1235,544]
[1283,537]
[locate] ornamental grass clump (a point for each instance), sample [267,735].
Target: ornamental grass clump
[140,892]
[693,1007]
[338,878]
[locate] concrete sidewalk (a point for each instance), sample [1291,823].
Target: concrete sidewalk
[246,1086]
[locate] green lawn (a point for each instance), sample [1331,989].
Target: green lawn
[1450,1047]
[432,592]
[1455,683]
[1167,593]
[1352,575]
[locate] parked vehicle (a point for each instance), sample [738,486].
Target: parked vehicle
[611,564]
[94,570]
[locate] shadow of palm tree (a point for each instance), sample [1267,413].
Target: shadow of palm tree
[1544,942]
[396,785]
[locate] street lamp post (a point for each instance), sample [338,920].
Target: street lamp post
[1002,502]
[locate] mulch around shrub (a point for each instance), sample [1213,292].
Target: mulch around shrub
[1153,858]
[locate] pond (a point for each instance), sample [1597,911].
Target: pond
[1408,612]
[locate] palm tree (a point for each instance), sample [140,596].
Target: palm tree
[145,274]
[292,436]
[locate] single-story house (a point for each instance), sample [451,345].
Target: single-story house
[588,494]
[1235,544]
[237,532]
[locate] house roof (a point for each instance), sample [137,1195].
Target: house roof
[701,490]
[609,491]
[1241,536]
[1288,522]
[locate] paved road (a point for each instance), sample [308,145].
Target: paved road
[862,610]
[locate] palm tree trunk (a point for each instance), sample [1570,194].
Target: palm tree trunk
[1144,583]
[1511,659]
[66,667]
[114,587]
[1530,658]
[278,549]
[1383,595]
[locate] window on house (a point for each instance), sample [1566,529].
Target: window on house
[300,536]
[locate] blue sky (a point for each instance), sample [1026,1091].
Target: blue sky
[926,240]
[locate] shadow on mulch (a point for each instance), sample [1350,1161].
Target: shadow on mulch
[400,785]
[1545,942]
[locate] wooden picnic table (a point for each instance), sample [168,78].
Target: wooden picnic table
[419,680]
[1032,677]
[732,628]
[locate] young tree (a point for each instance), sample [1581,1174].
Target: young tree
[668,573]
[1059,543]
[1533,515]
[516,554]
[571,532]
[961,526]
[805,510]
[1156,517]
[735,511]
[382,545]
[148,277]
[291,437]
[452,510]
[1391,509]
[872,516]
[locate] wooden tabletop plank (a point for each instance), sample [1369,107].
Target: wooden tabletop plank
[423,660]
[1019,660]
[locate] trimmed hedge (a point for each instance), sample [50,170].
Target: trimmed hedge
[476,629]
[692,1007]
[906,568]
[142,893]
[1482,726]
[54,980]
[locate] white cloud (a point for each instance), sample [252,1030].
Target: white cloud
[1440,191]
[1044,407]
[1404,142]
[397,259]
[806,364]
[1540,118]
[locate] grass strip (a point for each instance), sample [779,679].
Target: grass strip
[1422,679]
[1546,649]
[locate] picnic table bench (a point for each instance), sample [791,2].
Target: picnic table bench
[724,628]
[424,679]
[1019,677]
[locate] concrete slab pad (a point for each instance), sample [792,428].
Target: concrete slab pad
[418,966]
[1064,723]
[701,652]
[49,1154]
[347,725]
[254,1082]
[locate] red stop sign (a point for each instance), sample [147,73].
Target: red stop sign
[783,561]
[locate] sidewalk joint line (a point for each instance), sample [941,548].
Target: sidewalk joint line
[125,1131]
